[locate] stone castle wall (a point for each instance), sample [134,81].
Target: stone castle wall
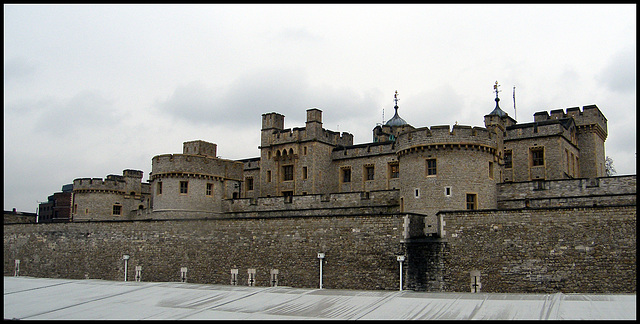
[543,250]
[605,191]
[360,250]
[568,250]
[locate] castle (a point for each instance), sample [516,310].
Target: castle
[423,170]
[509,207]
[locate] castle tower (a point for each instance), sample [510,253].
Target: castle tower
[199,148]
[497,122]
[314,122]
[190,184]
[591,133]
[393,127]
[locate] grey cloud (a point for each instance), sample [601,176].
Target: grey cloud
[620,74]
[17,68]
[286,91]
[437,106]
[86,109]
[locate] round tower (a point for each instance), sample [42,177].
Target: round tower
[188,185]
[447,169]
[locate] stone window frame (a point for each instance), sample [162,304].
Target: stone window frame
[345,174]
[184,187]
[491,171]
[474,202]
[508,159]
[448,191]
[209,189]
[249,183]
[394,170]
[159,188]
[117,209]
[287,172]
[537,156]
[431,167]
[369,172]
[305,173]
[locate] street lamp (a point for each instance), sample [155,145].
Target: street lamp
[320,257]
[126,259]
[400,259]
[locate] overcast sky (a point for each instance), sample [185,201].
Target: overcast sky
[91,90]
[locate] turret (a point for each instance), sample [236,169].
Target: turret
[314,122]
[199,148]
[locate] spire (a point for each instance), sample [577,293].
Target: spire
[396,120]
[497,110]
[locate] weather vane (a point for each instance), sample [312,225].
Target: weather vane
[495,88]
[395,98]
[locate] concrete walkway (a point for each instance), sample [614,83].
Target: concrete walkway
[42,298]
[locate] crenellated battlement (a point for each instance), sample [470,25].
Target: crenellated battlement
[460,136]
[590,117]
[195,164]
[286,136]
[111,183]
[273,132]
[363,150]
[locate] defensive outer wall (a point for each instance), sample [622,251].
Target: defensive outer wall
[558,248]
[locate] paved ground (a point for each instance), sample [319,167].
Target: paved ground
[42,298]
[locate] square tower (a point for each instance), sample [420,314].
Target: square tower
[199,148]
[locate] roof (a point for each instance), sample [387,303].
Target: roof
[42,298]
[396,120]
[497,110]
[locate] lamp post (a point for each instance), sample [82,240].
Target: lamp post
[126,259]
[320,257]
[400,259]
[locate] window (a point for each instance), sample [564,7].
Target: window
[447,191]
[288,196]
[490,170]
[249,182]
[508,159]
[269,176]
[287,172]
[184,187]
[159,188]
[304,173]
[566,153]
[304,150]
[117,210]
[394,170]
[537,156]
[416,193]
[431,167]
[209,191]
[368,172]
[472,202]
[346,175]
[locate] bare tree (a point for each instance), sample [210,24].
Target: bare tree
[608,167]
